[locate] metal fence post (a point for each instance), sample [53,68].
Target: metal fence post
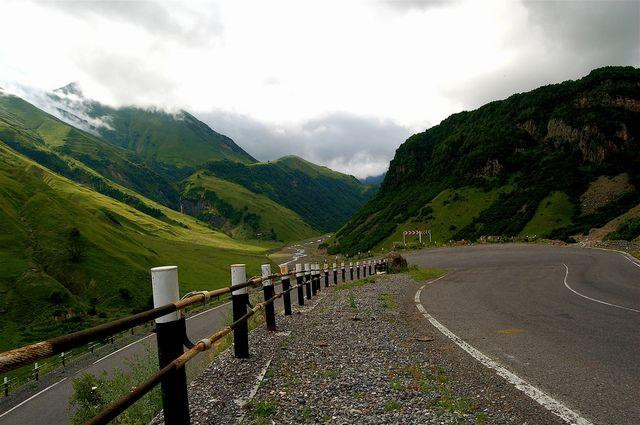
[286,284]
[357,269]
[307,279]
[343,272]
[326,275]
[335,274]
[364,269]
[351,271]
[370,266]
[240,300]
[269,292]
[170,331]
[299,282]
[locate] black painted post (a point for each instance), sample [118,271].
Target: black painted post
[6,386]
[318,277]
[335,274]
[240,300]
[350,271]
[269,292]
[370,266]
[364,269]
[326,275]
[358,270]
[344,272]
[314,279]
[307,279]
[300,282]
[170,331]
[286,284]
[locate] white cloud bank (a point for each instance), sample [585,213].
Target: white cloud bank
[342,83]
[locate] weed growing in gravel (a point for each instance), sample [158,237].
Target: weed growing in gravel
[330,373]
[270,373]
[420,274]
[397,385]
[392,405]
[352,301]
[355,284]
[388,301]
[262,409]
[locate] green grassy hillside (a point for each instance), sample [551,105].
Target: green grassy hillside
[556,139]
[173,141]
[240,212]
[323,197]
[72,257]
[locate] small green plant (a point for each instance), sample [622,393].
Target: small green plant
[91,394]
[420,274]
[388,301]
[263,409]
[330,373]
[397,385]
[392,405]
[352,301]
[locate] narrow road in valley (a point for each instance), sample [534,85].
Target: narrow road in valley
[50,404]
[566,320]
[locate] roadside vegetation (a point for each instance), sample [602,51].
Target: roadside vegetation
[421,274]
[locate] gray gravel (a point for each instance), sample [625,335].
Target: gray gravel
[357,355]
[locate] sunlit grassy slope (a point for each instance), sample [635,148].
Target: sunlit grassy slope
[268,216]
[448,212]
[39,281]
[553,212]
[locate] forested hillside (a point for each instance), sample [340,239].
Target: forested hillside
[555,162]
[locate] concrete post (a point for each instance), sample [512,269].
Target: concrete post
[286,284]
[307,279]
[170,332]
[240,300]
[335,274]
[299,282]
[351,271]
[269,292]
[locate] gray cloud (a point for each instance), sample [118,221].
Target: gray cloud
[156,18]
[405,5]
[563,40]
[345,142]
[595,33]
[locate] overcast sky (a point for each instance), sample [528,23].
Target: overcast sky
[341,83]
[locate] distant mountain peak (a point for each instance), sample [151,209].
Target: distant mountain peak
[71,89]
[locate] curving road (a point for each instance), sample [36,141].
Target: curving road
[566,320]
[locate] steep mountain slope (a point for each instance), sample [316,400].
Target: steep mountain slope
[525,162]
[323,197]
[72,257]
[240,212]
[173,141]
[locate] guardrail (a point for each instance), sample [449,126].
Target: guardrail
[171,327]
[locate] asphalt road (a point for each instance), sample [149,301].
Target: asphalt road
[579,342]
[50,405]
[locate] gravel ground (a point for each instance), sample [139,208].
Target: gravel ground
[360,354]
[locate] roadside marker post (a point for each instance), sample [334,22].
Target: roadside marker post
[357,269]
[240,300]
[286,284]
[364,269]
[318,286]
[335,274]
[314,280]
[269,292]
[170,332]
[307,279]
[6,386]
[351,271]
[299,282]
[36,371]
[343,272]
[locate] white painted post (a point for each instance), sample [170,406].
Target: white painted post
[269,292]
[404,239]
[164,285]
[299,282]
[240,299]
[170,331]
[420,237]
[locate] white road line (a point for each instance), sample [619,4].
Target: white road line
[31,398]
[566,275]
[549,403]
